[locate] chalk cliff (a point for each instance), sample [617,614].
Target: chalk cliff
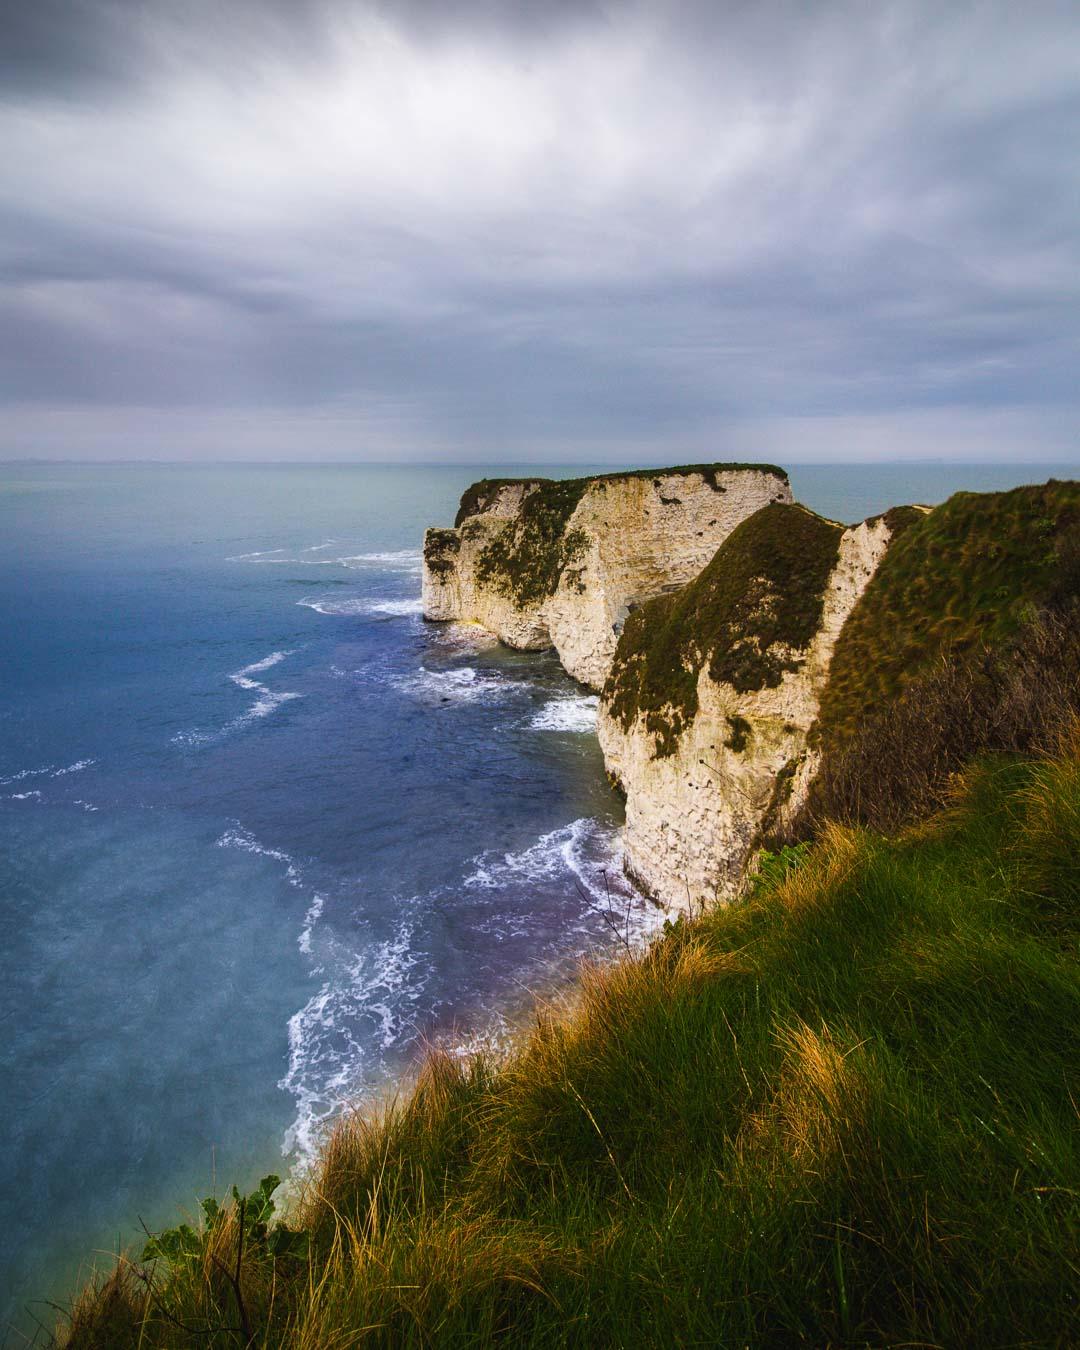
[563,562]
[705,717]
[705,604]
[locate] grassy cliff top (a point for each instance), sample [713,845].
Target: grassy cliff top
[840,1112]
[748,617]
[965,573]
[478,495]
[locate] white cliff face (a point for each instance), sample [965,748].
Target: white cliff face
[629,539]
[695,818]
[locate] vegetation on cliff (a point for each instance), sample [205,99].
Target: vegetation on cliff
[840,1112]
[478,496]
[965,574]
[441,547]
[897,767]
[748,618]
[966,640]
[526,558]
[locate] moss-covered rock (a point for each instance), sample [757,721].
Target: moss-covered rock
[441,547]
[526,558]
[749,617]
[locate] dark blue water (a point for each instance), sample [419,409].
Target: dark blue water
[263,832]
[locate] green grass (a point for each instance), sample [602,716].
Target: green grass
[840,1112]
[748,618]
[965,575]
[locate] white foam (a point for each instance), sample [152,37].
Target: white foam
[465,637]
[268,699]
[77,767]
[396,560]
[349,1034]
[238,837]
[494,1039]
[393,560]
[249,557]
[47,771]
[264,705]
[464,684]
[311,918]
[348,608]
[398,607]
[33,795]
[243,677]
[590,852]
[367,1002]
[575,712]
[86,806]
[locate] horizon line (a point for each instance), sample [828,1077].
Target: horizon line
[923,462]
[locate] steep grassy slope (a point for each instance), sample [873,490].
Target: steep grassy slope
[965,574]
[966,640]
[842,1111]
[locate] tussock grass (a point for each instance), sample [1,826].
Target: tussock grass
[964,576]
[1015,697]
[840,1112]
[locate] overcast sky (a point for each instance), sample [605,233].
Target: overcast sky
[539,230]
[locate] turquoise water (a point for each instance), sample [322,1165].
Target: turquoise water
[263,832]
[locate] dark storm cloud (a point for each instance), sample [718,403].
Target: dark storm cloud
[505,230]
[60,46]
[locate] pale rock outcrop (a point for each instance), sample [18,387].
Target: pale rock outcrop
[547,563]
[741,765]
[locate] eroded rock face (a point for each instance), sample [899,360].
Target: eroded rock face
[709,773]
[563,562]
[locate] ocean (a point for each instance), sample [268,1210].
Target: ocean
[264,833]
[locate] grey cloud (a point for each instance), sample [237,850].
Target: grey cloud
[519,226]
[61,46]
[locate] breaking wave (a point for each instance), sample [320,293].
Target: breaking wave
[367,1003]
[577,712]
[356,606]
[465,684]
[392,560]
[47,771]
[266,702]
[379,997]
